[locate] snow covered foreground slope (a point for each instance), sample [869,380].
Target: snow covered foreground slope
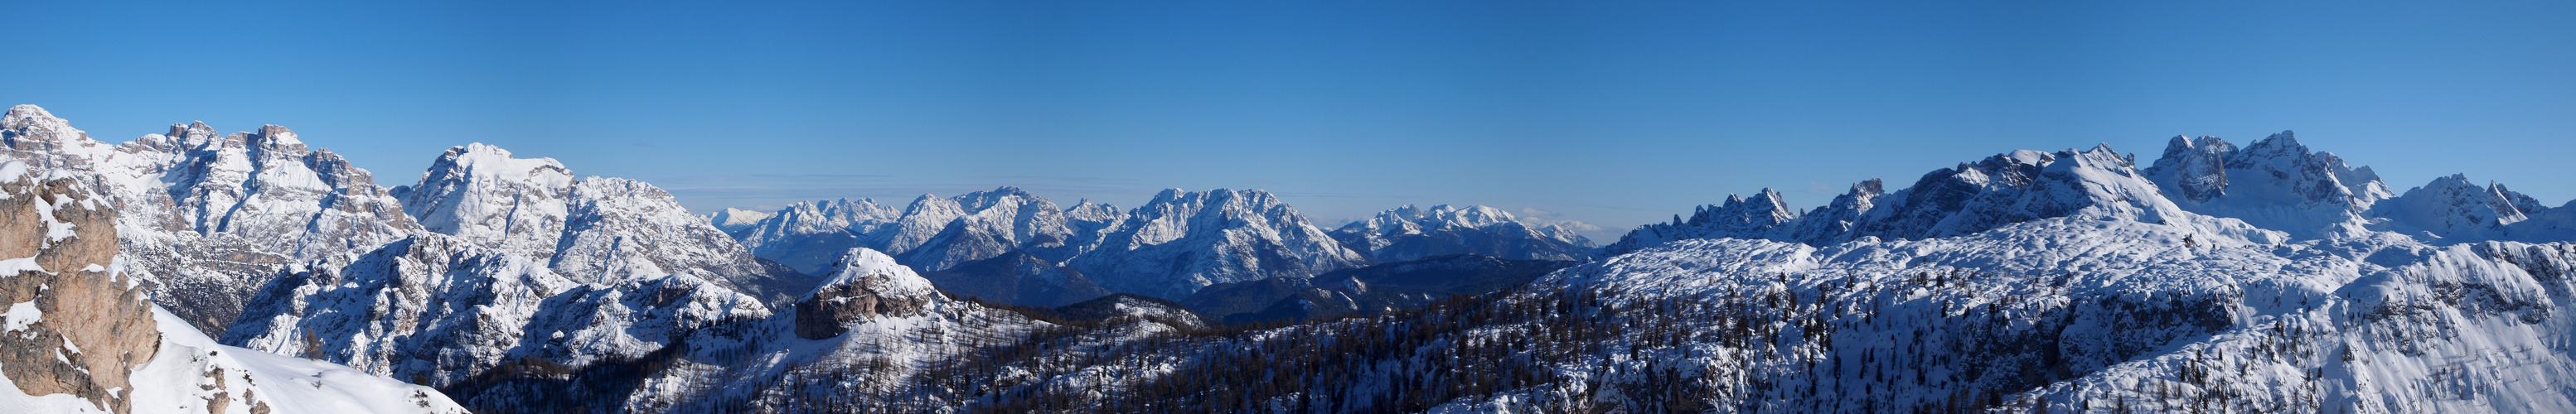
[2076,314]
[81,339]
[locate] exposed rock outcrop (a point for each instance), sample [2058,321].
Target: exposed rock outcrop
[73,325]
[867,284]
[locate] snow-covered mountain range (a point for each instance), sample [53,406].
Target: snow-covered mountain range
[2267,277]
[2279,186]
[1408,233]
[209,218]
[2064,282]
[1172,245]
[432,282]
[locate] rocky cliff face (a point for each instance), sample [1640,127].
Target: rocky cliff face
[488,258]
[73,324]
[866,285]
[206,217]
[79,337]
[2274,183]
[2279,184]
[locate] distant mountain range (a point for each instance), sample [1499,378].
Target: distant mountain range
[1175,244]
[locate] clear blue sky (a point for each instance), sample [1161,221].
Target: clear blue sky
[1616,114]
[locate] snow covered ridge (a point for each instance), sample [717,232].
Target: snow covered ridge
[876,333]
[1174,244]
[932,233]
[436,310]
[736,221]
[590,230]
[2060,314]
[2275,185]
[82,339]
[211,218]
[2075,314]
[207,217]
[1408,233]
[518,260]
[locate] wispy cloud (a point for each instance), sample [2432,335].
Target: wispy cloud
[1821,188]
[1537,217]
[706,193]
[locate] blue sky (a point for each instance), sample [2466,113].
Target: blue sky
[1612,113]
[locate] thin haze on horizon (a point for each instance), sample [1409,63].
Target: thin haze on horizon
[1612,114]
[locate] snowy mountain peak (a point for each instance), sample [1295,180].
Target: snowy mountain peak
[272,137]
[867,284]
[2195,170]
[929,204]
[1088,210]
[1413,218]
[1763,210]
[736,222]
[875,272]
[30,128]
[1412,232]
[1972,197]
[1182,241]
[481,193]
[2454,208]
[27,115]
[477,162]
[196,131]
[2275,183]
[981,200]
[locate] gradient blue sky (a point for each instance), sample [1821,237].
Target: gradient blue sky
[1612,113]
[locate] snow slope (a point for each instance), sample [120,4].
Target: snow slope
[2072,313]
[735,221]
[438,310]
